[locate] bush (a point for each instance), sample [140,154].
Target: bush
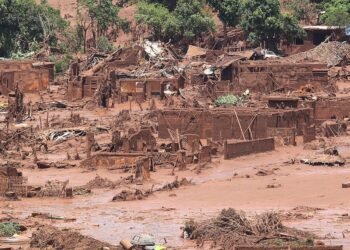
[61,65]
[229,100]
[103,45]
[8,229]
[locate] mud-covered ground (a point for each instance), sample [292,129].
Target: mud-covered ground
[309,198]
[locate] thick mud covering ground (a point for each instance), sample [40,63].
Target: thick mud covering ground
[49,237]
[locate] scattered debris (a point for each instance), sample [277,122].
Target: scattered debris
[51,237]
[274,185]
[324,160]
[232,228]
[51,217]
[128,195]
[346,185]
[333,128]
[145,107]
[265,172]
[137,194]
[45,165]
[52,188]
[65,134]
[331,53]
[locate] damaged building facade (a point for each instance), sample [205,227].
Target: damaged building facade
[30,76]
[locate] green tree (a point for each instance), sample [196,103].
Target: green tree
[229,12]
[337,12]
[185,20]
[102,18]
[103,45]
[302,10]
[23,22]
[263,22]
[158,18]
[192,18]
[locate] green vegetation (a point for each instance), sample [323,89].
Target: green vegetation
[229,12]
[27,27]
[263,21]
[302,10]
[183,20]
[8,229]
[229,100]
[103,45]
[61,62]
[23,23]
[186,20]
[337,12]
[99,17]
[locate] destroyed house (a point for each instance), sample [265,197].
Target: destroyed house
[268,76]
[327,108]
[315,35]
[83,87]
[239,123]
[12,181]
[282,102]
[29,76]
[148,87]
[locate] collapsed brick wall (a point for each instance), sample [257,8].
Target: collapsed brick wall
[29,81]
[149,87]
[268,76]
[15,184]
[83,87]
[142,141]
[32,81]
[9,65]
[226,126]
[12,181]
[233,149]
[205,154]
[112,160]
[333,128]
[223,124]
[328,108]
[207,124]
[309,133]
[28,78]
[283,136]
[257,82]
[74,90]
[295,118]
[295,48]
